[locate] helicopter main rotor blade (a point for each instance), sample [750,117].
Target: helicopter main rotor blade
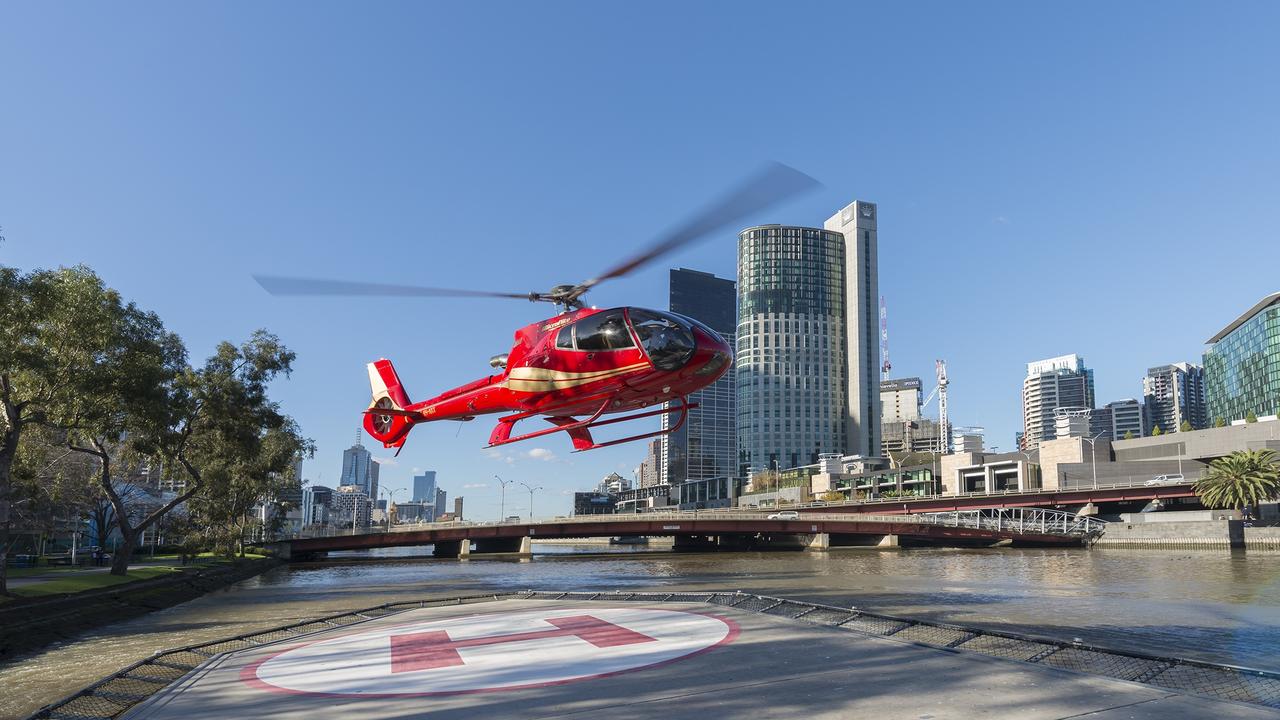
[278,285]
[769,186]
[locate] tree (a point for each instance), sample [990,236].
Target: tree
[1156,431]
[1243,478]
[833,496]
[1185,426]
[62,331]
[216,432]
[258,480]
[1251,418]
[1128,434]
[1219,422]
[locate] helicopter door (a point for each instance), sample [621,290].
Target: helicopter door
[600,343]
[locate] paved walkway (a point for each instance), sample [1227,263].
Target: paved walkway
[567,659]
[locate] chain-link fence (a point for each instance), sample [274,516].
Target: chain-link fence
[112,696]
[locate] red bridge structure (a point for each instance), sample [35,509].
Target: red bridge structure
[726,530]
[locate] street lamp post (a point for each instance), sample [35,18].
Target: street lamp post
[502,498]
[1026,454]
[1093,457]
[531,491]
[391,498]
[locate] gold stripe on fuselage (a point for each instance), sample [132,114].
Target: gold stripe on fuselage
[529,379]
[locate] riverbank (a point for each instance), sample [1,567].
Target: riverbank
[68,604]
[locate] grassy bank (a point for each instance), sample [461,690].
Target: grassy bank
[62,607]
[79,582]
[71,580]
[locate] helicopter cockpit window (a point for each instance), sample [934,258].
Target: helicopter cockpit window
[666,338]
[603,331]
[564,339]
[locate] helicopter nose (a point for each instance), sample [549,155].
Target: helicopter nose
[714,352]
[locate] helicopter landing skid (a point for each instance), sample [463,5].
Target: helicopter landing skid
[580,430]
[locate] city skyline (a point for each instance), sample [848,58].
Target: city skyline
[992,177]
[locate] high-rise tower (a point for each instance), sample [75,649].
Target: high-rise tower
[857,223]
[704,451]
[808,368]
[1174,394]
[360,469]
[1053,384]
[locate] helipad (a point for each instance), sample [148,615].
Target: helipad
[579,658]
[423,655]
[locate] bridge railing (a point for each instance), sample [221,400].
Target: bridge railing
[1024,521]
[1076,484]
[1013,520]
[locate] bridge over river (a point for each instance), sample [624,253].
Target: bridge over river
[728,530]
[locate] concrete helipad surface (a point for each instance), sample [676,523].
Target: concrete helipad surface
[550,659]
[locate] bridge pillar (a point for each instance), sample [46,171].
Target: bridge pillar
[526,546]
[888,541]
[818,541]
[452,549]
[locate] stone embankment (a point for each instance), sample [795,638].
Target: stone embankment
[1210,534]
[30,624]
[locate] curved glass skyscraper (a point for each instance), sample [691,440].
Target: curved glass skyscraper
[807,362]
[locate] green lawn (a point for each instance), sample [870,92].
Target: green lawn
[202,556]
[91,581]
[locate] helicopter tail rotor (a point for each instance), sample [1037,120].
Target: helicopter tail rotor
[387,420]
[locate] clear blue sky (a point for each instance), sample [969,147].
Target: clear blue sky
[1096,178]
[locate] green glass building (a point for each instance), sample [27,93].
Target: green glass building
[1242,365]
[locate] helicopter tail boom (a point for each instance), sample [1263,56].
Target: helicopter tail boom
[387,420]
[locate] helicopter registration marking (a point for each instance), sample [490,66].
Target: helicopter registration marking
[556,325]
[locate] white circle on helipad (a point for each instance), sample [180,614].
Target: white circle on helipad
[487,653]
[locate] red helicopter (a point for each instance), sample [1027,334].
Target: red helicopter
[585,363]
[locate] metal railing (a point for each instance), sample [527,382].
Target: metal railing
[1013,520]
[114,695]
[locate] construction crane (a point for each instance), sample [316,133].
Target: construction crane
[944,429]
[885,365]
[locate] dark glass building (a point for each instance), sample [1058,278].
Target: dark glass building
[1242,365]
[700,460]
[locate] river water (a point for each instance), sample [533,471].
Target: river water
[1210,605]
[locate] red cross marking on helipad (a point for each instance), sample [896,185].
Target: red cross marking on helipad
[435,649]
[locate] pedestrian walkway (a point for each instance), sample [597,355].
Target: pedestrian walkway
[577,657]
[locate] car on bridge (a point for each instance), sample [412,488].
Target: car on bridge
[785,515]
[1173,479]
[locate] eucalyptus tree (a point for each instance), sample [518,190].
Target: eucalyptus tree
[1243,478]
[65,336]
[215,428]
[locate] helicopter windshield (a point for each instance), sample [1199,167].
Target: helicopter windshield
[667,339]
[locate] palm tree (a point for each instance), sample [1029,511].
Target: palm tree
[1243,478]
